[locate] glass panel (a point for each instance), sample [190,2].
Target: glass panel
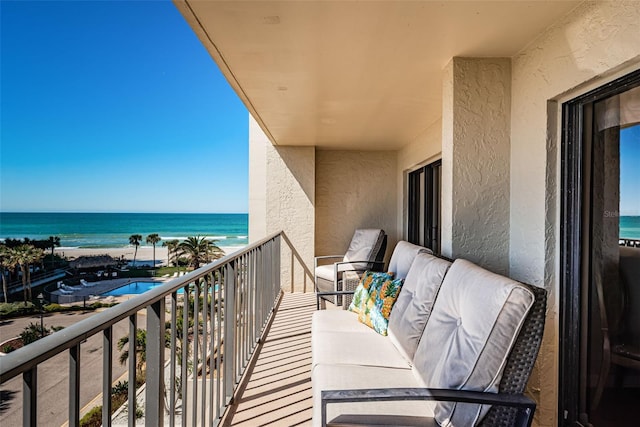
[613,328]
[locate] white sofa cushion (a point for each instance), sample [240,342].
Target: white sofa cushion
[402,257]
[337,321]
[345,377]
[472,327]
[366,348]
[413,306]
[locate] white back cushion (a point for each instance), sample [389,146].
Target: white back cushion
[413,306]
[363,244]
[472,327]
[402,258]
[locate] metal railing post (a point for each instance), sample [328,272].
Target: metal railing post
[172,369]
[107,365]
[133,345]
[30,397]
[74,385]
[154,397]
[229,330]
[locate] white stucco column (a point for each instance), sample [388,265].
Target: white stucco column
[282,197]
[475,161]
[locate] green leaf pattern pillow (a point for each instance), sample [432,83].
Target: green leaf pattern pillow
[377,308]
[368,280]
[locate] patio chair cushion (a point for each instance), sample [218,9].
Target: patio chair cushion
[472,327]
[365,348]
[402,257]
[364,246]
[413,306]
[370,280]
[376,310]
[325,272]
[344,377]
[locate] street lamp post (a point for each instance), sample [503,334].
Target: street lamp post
[41,300]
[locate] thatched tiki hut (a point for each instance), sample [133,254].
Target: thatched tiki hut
[89,262]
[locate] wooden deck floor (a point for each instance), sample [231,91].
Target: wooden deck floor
[278,391]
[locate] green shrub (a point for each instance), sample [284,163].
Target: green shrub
[12,309]
[33,333]
[7,348]
[93,418]
[57,308]
[139,411]
[121,387]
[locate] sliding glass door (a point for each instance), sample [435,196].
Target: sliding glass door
[600,288]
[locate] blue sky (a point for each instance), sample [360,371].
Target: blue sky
[630,171]
[115,107]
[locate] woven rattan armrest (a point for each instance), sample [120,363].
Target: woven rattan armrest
[525,406]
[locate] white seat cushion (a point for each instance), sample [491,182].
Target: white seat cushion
[465,344]
[366,348]
[345,377]
[337,321]
[413,306]
[326,272]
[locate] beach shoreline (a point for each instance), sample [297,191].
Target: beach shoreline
[143,256]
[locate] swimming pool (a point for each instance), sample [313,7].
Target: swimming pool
[133,288]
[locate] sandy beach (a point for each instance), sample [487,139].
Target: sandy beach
[144,255]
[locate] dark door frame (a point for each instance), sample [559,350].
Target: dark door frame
[572,241]
[427,202]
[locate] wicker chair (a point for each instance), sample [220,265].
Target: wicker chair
[366,252]
[509,407]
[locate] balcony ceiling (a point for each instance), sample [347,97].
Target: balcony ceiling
[355,75]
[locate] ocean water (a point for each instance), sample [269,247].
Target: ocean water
[630,227]
[112,230]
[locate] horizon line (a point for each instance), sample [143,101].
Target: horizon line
[132,212]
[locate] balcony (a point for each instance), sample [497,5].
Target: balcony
[224,344]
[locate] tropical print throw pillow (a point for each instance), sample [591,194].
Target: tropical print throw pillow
[377,308]
[370,279]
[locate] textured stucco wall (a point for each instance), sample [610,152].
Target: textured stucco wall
[282,186]
[258,143]
[354,189]
[475,169]
[594,41]
[422,150]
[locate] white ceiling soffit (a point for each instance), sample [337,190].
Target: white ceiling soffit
[355,75]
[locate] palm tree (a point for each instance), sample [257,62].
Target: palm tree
[25,256]
[7,261]
[153,239]
[200,250]
[53,242]
[134,240]
[140,349]
[172,247]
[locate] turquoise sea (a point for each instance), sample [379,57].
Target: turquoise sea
[630,227]
[112,230]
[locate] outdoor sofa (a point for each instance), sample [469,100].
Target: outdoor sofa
[457,333]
